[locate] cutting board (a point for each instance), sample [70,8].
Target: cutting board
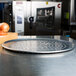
[10,36]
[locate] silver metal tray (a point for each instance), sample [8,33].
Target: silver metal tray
[38,45]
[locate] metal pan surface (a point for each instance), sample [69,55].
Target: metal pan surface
[38,45]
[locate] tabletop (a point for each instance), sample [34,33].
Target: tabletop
[27,64]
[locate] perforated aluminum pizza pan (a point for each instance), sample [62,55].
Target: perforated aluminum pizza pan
[38,45]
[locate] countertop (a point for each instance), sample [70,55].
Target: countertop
[17,64]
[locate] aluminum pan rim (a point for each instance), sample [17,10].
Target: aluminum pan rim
[42,52]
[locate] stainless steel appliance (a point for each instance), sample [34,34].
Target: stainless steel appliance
[73,12]
[37,17]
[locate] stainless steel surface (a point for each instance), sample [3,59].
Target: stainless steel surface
[17,64]
[38,45]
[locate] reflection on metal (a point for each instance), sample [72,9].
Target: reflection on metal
[54,55]
[57,37]
[20,37]
[38,45]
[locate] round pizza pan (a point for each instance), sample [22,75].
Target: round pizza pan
[38,45]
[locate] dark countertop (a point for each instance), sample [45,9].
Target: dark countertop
[16,64]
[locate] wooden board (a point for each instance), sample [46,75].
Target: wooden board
[10,36]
